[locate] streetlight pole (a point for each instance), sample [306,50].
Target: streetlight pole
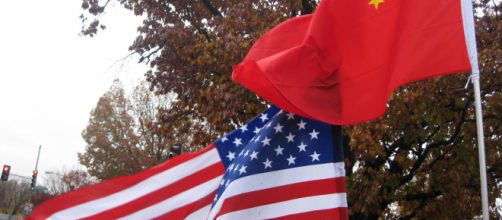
[38,156]
[35,172]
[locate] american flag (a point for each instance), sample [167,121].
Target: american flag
[278,166]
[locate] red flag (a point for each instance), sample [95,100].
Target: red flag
[340,64]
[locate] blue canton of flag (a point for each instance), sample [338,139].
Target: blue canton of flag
[284,149]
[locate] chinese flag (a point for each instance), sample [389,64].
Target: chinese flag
[340,64]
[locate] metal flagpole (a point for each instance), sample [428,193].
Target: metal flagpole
[481,147]
[470,37]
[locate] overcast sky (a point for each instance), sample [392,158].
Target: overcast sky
[51,79]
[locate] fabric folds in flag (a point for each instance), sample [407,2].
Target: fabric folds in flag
[278,166]
[340,64]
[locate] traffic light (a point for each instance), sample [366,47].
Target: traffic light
[34,178]
[5,172]
[175,150]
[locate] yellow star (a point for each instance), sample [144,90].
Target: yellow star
[375,3]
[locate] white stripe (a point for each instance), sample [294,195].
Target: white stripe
[140,189]
[199,214]
[290,207]
[177,201]
[470,35]
[279,178]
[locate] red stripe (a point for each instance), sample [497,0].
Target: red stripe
[328,214]
[282,193]
[183,212]
[107,187]
[163,193]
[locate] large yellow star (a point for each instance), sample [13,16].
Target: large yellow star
[375,3]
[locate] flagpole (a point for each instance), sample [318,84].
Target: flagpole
[481,147]
[470,37]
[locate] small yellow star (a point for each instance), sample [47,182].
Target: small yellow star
[375,3]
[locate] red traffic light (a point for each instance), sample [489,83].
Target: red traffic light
[34,179]
[5,173]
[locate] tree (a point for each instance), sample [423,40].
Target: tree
[111,141]
[154,146]
[13,195]
[417,161]
[123,132]
[191,46]
[67,180]
[422,155]
[421,159]
[38,197]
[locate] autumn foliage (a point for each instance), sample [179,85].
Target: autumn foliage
[121,135]
[417,161]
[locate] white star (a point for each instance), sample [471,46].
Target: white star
[301,125]
[302,147]
[291,159]
[278,128]
[290,115]
[315,156]
[224,139]
[244,128]
[246,153]
[256,130]
[222,182]
[228,182]
[266,141]
[236,168]
[290,137]
[313,134]
[264,117]
[242,170]
[237,142]
[267,163]
[254,155]
[231,155]
[231,167]
[216,197]
[279,150]
[241,153]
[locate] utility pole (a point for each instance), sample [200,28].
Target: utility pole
[38,157]
[35,172]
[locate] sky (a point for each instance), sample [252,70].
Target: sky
[51,78]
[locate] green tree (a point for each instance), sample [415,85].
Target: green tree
[417,161]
